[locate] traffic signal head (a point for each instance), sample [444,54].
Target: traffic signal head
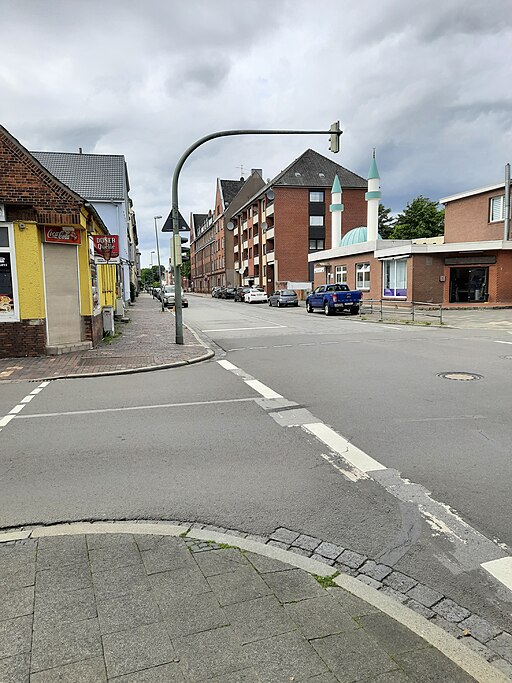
[334,142]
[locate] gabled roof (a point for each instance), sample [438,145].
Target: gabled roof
[93,176]
[229,189]
[198,219]
[312,169]
[470,193]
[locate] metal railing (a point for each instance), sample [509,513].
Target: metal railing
[392,310]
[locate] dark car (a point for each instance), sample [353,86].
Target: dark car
[283,297]
[240,293]
[215,292]
[227,293]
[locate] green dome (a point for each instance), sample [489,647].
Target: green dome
[356,236]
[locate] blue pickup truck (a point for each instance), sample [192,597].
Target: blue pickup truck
[333,298]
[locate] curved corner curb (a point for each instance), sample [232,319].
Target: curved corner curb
[466,659]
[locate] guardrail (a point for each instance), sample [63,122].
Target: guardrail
[390,310]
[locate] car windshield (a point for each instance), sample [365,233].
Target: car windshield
[338,288]
[288,292]
[169,289]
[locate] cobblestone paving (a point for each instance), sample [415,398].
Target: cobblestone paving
[141,608]
[146,341]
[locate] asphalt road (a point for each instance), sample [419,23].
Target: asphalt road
[200,443]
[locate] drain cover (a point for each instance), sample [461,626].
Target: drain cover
[460,376]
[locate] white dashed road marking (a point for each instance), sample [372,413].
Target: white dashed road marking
[340,445]
[238,329]
[4,421]
[501,569]
[262,389]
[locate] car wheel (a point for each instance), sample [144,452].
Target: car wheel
[309,307]
[278,304]
[327,310]
[296,305]
[270,303]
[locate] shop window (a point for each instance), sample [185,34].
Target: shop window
[363,276]
[395,278]
[469,285]
[341,275]
[8,283]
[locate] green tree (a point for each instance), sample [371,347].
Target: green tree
[420,218]
[386,222]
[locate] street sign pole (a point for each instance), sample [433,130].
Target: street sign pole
[175,208]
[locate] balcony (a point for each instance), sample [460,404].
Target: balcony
[236,265]
[245,245]
[270,257]
[245,264]
[256,260]
[269,211]
[270,234]
[244,225]
[235,249]
[255,218]
[256,239]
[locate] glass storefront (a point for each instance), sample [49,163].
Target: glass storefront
[469,285]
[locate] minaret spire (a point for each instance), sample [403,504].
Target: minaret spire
[373,199]
[336,209]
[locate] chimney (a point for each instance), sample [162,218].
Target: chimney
[79,150]
[373,199]
[259,171]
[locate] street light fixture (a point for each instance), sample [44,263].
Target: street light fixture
[159,266]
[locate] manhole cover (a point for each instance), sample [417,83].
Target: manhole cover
[460,376]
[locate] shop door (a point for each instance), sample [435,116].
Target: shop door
[469,285]
[62,299]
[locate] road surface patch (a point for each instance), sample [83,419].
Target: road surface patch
[14,412]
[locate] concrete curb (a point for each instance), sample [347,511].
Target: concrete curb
[468,660]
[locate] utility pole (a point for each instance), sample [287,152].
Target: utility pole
[334,132]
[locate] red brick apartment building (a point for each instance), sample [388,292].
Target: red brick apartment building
[211,240]
[288,218]
[471,266]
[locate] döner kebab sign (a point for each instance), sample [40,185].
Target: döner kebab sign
[63,235]
[106,248]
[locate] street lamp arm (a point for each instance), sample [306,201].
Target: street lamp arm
[175,210]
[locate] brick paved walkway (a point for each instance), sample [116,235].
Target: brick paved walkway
[146,341]
[142,607]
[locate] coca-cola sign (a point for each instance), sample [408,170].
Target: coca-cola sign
[106,248]
[63,235]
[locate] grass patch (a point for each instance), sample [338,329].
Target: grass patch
[109,338]
[326,581]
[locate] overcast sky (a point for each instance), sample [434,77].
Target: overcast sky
[427,84]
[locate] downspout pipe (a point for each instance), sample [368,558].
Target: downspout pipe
[506,204]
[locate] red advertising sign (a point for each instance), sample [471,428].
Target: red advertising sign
[106,248]
[63,235]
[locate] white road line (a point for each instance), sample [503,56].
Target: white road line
[16,409]
[501,569]
[262,389]
[5,420]
[27,399]
[94,411]
[44,384]
[498,341]
[239,329]
[36,391]
[338,444]
[227,365]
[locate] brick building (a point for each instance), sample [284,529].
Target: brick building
[288,218]
[51,291]
[211,241]
[471,265]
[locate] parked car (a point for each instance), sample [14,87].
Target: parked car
[169,297]
[215,291]
[256,295]
[283,297]
[227,293]
[334,298]
[240,293]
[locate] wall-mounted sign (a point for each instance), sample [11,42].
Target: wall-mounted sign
[6,290]
[106,248]
[469,260]
[63,235]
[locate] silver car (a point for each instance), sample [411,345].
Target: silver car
[169,297]
[283,297]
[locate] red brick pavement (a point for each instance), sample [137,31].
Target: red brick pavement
[147,341]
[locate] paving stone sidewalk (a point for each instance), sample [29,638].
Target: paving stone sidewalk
[148,609]
[146,341]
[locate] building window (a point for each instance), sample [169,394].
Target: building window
[316,245]
[8,283]
[250,252]
[341,275]
[316,196]
[315,221]
[362,276]
[497,209]
[394,278]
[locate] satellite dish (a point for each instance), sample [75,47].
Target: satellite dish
[264,226]
[241,271]
[270,194]
[230,225]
